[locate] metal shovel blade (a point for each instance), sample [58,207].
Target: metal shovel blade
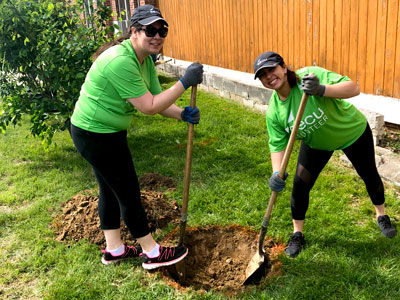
[254,268]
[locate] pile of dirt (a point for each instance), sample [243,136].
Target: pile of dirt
[80,220]
[156,182]
[218,258]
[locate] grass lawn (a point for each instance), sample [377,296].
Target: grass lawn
[346,256]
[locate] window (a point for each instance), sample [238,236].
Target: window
[88,12]
[124,14]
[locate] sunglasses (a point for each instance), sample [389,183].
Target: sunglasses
[151,31]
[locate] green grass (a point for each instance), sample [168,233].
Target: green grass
[346,257]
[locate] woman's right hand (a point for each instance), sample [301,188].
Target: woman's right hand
[311,86]
[191,115]
[193,75]
[276,183]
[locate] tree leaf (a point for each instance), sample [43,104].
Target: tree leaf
[44,55]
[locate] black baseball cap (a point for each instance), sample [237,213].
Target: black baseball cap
[146,14]
[267,60]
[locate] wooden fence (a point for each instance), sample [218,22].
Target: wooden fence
[358,38]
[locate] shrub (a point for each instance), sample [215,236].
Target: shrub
[45,50]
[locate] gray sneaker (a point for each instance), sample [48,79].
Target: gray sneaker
[386,227]
[295,244]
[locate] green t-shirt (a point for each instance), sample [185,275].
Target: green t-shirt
[327,123]
[115,76]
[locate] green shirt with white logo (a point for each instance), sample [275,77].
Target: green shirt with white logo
[327,123]
[115,76]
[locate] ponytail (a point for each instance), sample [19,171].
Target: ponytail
[107,45]
[293,78]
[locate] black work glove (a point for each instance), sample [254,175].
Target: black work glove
[191,115]
[193,75]
[310,85]
[276,183]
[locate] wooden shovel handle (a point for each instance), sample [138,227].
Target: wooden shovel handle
[284,163]
[188,164]
[188,167]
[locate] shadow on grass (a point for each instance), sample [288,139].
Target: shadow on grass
[339,268]
[211,154]
[366,248]
[63,160]
[333,279]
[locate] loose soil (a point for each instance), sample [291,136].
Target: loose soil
[80,219]
[218,258]
[218,255]
[156,182]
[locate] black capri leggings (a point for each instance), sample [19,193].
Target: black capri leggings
[119,192]
[311,162]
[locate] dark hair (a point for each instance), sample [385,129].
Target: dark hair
[292,78]
[118,41]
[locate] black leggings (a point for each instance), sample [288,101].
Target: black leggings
[311,162]
[119,192]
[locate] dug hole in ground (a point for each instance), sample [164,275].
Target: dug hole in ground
[218,255]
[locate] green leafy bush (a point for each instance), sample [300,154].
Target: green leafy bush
[45,53]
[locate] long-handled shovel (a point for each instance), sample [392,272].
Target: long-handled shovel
[179,270]
[257,261]
[188,167]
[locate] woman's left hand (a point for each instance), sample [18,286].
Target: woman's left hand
[310,85]
[191,115]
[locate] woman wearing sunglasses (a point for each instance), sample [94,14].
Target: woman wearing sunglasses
[329,123]
[123,77]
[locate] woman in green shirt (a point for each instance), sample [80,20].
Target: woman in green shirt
[123,76]
[329,123]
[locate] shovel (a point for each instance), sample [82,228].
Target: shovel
[257,262]
[188,167]
[178,271]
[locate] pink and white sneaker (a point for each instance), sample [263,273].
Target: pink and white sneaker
[168,256]
[129,252]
